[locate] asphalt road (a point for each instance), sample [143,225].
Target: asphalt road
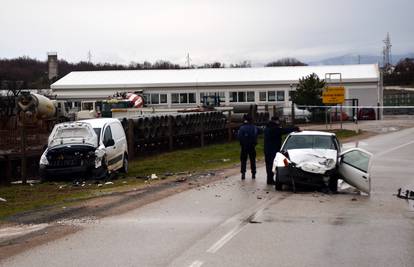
[247,223]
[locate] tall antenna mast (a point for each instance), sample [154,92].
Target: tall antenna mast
[387,61]
[188,60]
[89,56]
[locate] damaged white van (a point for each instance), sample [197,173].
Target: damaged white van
[315,158]
[85,149]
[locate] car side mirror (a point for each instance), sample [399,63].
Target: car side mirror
[110,142]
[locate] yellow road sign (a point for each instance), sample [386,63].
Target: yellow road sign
[333,95]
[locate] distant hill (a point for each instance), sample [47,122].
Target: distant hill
[363,59]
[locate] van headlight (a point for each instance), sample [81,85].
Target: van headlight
[43,159]
[99,154]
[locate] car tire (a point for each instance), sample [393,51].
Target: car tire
[333,184]
[278,184]
[124,168]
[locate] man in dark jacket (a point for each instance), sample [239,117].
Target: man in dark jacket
[272,143]
[247,136]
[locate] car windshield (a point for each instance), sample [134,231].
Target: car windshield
[309,142]
[72,133]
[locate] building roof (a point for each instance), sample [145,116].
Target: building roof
[211,77]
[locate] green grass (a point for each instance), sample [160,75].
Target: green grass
[28,197]
[191,160]
[25,197]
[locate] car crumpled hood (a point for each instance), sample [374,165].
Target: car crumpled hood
[314,160]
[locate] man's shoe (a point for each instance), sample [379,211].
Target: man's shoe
[253,176]
[243,176]
[271,182]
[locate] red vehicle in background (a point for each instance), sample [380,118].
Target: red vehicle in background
[366,114]
[337,116]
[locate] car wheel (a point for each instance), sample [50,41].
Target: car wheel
[333,184]
[278,184]
[125,164]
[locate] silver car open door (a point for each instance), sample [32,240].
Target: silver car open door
[354,168]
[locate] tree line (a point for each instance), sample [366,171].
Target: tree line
[402,74]
[25,72]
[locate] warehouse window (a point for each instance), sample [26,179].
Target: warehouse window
[191,98]
[183,98]
[271,96]
[155,98]
[280,95]
[250,96]
[241,97]
[221,95]
[175,99]
[233,97]
[163,98]
[262,96]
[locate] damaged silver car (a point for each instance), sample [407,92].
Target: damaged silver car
[85,149]
[315,158]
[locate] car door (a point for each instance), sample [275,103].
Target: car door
[110,149]
[354,168]
[119,138]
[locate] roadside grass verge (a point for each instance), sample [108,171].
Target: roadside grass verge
[22,198]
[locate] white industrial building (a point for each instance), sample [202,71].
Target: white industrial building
[186,87]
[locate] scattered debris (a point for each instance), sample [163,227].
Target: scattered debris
[259,197]
[354,199]
[405,194]
[254,221]
[154,176]
[2,199]
[226,160]
[182,179]
[99,185]
[124,182]
[109,183]
[62,186]
[218,196]
[168,174]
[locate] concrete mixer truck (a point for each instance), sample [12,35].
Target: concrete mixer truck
[33,107]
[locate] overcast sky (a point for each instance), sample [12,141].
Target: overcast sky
[229,31]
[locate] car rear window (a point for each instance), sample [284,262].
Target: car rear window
[309,142]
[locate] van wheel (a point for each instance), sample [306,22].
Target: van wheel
[278,184]
[125,164]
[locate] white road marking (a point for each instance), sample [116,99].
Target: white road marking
[393,149]
[226,238]
[196,264]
